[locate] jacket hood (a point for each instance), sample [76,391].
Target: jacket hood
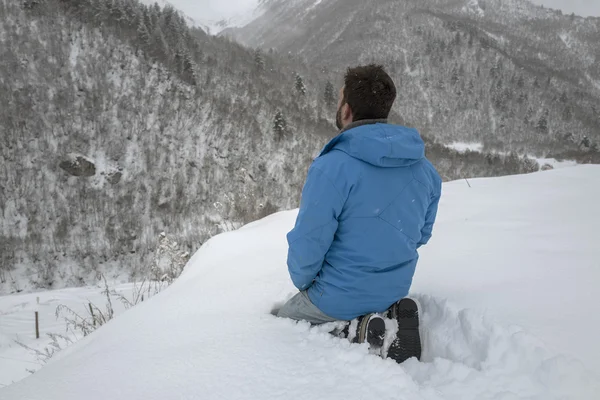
[380,144]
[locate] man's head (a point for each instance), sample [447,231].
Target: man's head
[368,93]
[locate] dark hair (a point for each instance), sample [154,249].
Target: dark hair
[369,91]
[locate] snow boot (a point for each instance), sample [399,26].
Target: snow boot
[371,329]
[407,343]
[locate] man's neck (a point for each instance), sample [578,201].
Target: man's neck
[362,122]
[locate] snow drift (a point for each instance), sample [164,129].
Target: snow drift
[508,285]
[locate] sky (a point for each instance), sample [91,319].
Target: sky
[584,8]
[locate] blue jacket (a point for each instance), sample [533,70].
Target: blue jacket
[369,202]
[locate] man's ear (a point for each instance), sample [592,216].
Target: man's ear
[346,113]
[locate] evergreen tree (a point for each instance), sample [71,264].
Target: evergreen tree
[329,94]
[429,48]
[542,125]
[116,10]
[172,26]
[129,14]
[189,69]
[300,88]
[567,113]
[528,116]
[585,142]
[522,98]
[455,78]
[159,45]
[98,10]
[143,34]
[259,60]
[457,39]
[279,126]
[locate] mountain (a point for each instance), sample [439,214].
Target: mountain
[214,16]
[507,74]
[120,121]
[503,292]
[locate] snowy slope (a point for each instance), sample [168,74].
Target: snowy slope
[509,288]
[17,316]
[214,15]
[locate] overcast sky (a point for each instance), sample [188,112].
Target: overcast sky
[584,8]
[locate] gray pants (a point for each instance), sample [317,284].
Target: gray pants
[300,308]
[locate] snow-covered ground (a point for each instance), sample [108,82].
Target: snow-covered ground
[508,285]
[555,163]
[473,7]
[17,324]
[462,146]
[478,147]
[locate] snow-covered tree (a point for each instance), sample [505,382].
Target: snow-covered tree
[279,125]
[143,33]
[542,125]
[329,94]
[299,85]
[259,60]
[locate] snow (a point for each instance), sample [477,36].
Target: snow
[498,39]
[478,147]
[583,8]
[314,5]
[215,15]
[473,7]
[567,39]
[555,163]
[17,324]
[463,147]
[594,82]
[508,288]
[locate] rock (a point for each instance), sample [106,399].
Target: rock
[78,165]
[114,177]
[547,167]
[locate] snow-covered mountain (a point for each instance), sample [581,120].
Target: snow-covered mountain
[507,74]
[213,16]
[508,288]
[119,121]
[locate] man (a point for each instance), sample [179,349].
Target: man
[369,202]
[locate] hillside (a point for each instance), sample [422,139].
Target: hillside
[504,291]
[507,74]
[119,127]
[119,122]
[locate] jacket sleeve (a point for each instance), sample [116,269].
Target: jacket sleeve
[430,216]
[315,228]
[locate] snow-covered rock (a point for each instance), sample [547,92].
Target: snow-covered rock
[78,165]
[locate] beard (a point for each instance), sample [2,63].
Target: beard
[338,119]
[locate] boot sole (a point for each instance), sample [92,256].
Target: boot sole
[407,343]
[372,330]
